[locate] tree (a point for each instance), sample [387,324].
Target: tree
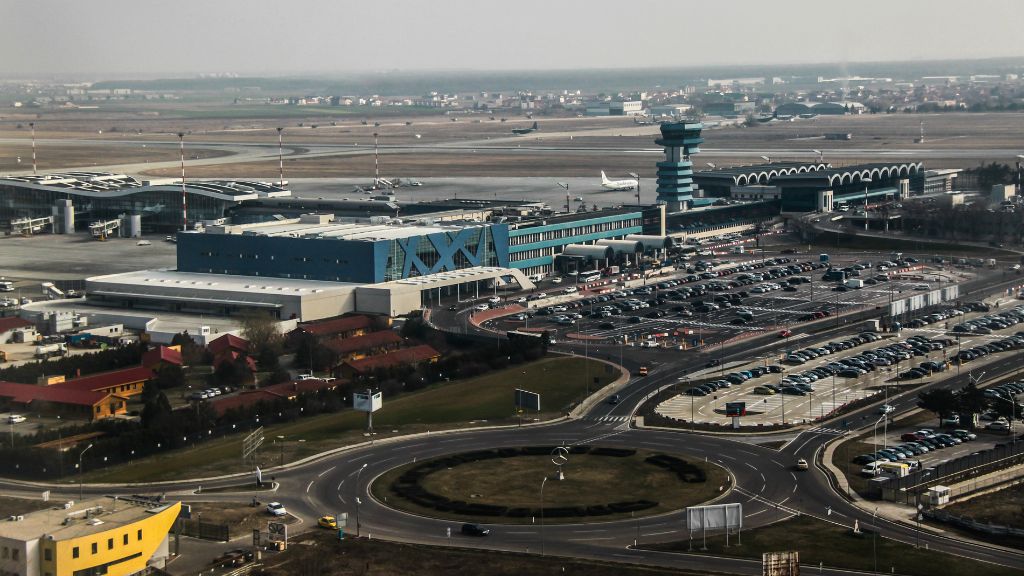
[232,373]
[191,353]
[941,401]
[970,400]
[156,409]
[169,376]
[262,333]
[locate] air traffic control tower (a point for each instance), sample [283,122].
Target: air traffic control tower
[675,174]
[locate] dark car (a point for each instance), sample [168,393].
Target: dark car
[634,320]
[614,399]
[713,362]
[474,530]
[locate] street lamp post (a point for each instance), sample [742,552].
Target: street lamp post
[542,483]
[363,467]
[280,440]
[32,125]
[874,431]
[80,454]
[636,177]
[568,203]
[874,538]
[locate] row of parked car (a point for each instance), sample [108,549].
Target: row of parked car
[210,393]
[1009,343]
[733,379]
[986,324]
[914,444]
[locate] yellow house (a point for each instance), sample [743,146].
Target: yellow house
[99,537]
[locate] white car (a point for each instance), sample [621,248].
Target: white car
[276,508]
[15,419]
[481,307]
[570,290]
[556,280]
[520,300]
[886,409]
[494,300]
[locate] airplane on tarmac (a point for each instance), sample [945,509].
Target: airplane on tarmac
[518,131]
[617,185]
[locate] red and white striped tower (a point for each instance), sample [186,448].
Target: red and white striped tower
[32,125]
[280,155]
[184,204]
[376,164]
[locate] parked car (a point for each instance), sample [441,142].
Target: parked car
[276,508]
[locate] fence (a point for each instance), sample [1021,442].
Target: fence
[196,528]
[972,524]
[956,471]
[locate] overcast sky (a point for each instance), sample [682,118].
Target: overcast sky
[264,37]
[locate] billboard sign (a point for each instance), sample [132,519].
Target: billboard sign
[780,564]
[735,409]
[527,400]
[367,401]
[715,517]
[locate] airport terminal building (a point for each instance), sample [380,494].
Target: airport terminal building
[97,196]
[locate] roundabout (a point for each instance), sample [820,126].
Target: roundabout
[520,484]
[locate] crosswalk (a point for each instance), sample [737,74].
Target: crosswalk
[826,430]
[608,419]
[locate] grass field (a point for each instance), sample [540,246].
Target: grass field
[473,402]
[1004,507]
[590,480]
[321,553]
[837,547]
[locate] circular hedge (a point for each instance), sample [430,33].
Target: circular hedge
[409,485]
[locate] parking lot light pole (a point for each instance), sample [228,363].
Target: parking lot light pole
[363,467]
[874,538]
[783,394]
[80,454]
[874,432]
[542,483]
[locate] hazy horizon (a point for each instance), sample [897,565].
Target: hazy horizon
[260,38]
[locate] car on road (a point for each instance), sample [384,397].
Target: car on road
[327,522]
[474,530]
[998,425]
[556,280]
[643,371]
[886,409]
[481,307]
[614,399]
[277,509]
[494,300]
[15,419]
[801,464]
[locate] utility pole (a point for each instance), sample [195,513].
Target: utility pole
[376,162]
[184,203]
[280,155]
[33,126]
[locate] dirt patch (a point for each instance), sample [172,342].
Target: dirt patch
[14,506]
[1005,507]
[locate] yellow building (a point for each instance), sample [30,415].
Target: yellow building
[99,537]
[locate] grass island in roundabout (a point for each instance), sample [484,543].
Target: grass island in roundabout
[503,485]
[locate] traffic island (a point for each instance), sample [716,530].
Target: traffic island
[504,485]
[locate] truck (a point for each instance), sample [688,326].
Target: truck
[51,350]
[855,283]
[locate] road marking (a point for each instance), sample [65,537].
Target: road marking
[518,533]
[590,539]
[667,532]
[340,483]
[310,485]
[751,466]
[589,531]
[320,475]
[363,457]
[756,513]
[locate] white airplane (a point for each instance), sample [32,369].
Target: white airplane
[617,185]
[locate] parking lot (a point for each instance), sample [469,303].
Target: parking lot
[715,301]
[788,389]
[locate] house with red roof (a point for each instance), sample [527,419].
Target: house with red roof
[290,391]
[124,382]
[340,327]
[162,356]
[228,342]
[357,347]
[74,402]
[405,356]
